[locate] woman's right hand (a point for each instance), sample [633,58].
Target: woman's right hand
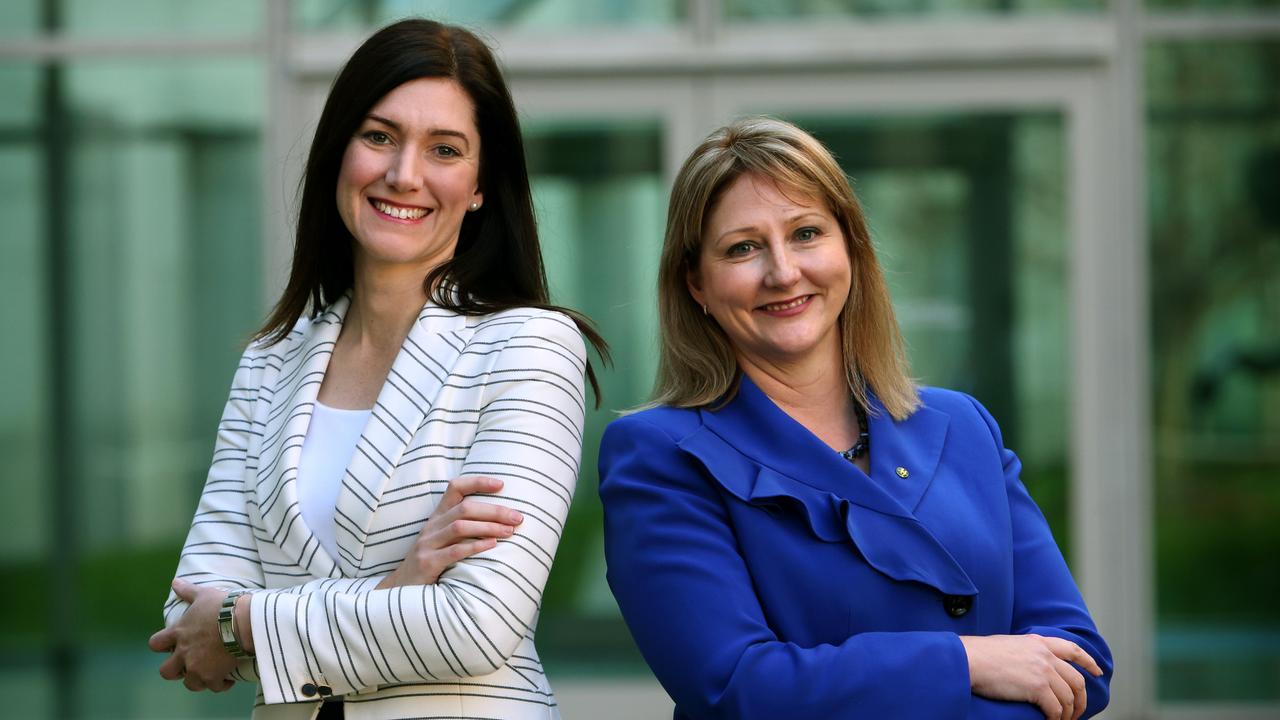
[1030,668]
[457,529]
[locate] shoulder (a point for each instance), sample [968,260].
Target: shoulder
[963,409]
[662,424]
[951,402]
[530,326]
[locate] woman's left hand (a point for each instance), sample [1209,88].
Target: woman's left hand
[198,657]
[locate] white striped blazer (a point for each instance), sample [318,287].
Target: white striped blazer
[499,395]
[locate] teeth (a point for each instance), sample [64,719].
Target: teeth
[399,212]
[775,307]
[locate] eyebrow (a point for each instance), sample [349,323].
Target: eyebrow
[430,131]
[752,228]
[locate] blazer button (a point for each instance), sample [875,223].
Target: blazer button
[309,690]
[324,690]
[957,605]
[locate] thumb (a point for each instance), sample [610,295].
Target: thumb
[184,590]
[162,641]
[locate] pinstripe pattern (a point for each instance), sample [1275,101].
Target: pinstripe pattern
[499,395]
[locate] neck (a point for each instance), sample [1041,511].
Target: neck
[383,308]
[813,390]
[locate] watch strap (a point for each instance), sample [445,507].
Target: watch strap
[227,624]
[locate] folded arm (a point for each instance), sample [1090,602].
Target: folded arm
[471,620]
[1046,599]
[688,598]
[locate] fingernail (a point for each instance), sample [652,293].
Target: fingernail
[516,517]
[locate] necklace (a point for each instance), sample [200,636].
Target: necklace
[863,446]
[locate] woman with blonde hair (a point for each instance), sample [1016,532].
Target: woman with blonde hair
[795,529]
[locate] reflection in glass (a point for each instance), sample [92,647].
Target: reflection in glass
[558,14]
[601,204]
[131,251]
[968,213]
[1214,159]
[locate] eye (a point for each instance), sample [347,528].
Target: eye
[807,233]
[739,249]
[447,151]
[377,137]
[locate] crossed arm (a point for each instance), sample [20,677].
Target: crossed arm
[472,581]
[670,547]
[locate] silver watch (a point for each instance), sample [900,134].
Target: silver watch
[227,624]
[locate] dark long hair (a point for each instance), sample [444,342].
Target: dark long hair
[497,264]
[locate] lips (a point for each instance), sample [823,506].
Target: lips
[786,305]
[399,212]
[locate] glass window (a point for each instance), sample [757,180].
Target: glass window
[25,438]
[968,214]
[133,18]
[1211,6]
[129,18]
[601,204]
[824,9]
[1213,113]
[557,14]
[132,219]
[20,18]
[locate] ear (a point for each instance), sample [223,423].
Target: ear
[693,281]
[477,198]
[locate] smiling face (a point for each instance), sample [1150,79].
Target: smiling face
[773,271]
[410,174]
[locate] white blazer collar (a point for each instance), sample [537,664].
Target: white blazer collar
[434,343]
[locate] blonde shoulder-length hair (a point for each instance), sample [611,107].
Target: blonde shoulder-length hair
[697,365]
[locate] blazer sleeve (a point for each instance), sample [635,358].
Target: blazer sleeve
[220,549]
[687,596]
[349,636]
[1046,599]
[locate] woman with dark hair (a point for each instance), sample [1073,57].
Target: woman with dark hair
[797,530]
[399,451]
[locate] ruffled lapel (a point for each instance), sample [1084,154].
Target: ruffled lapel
[763,456]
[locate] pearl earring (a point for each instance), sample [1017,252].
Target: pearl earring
[475,207]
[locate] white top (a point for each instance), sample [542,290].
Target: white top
[326,453]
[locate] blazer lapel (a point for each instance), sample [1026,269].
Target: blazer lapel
[302,369]
[874,512]
[426,358]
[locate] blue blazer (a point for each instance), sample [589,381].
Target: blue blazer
[764,576]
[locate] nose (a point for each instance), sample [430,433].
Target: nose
[783,270]
[404,173]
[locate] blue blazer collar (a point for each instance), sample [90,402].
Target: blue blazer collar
[763,456]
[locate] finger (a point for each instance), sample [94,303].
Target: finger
[171,668]
[487,511]
[1066,698]
[184,590]
[1075,681]
[473,529]
[1049,704]
[1072,652]
[463,550]
[467,485]
[163,641]
[192,682]
[222,686]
